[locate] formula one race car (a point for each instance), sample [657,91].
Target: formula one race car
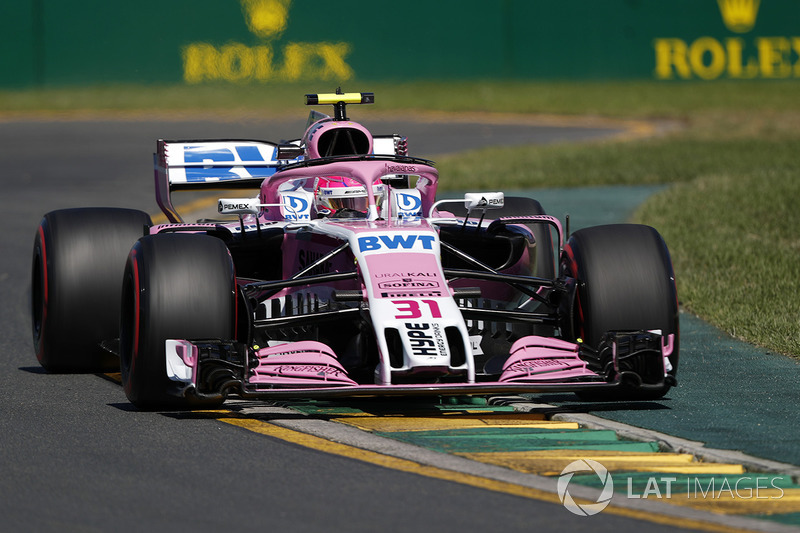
[346,277]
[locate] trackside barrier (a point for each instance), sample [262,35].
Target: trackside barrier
[55,43]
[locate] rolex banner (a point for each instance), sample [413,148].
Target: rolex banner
[53,43]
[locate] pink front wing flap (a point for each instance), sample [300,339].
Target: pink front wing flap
[540,359]
[300,364]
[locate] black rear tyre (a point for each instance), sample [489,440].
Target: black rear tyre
[625,283]
[176,286]
[78,261]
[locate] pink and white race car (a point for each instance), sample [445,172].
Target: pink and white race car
[345,276]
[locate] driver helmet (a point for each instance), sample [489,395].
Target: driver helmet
[332,194]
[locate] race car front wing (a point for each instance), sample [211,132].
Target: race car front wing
[309,369]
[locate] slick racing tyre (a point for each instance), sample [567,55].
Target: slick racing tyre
[625,282]
[78,261]
[176,286]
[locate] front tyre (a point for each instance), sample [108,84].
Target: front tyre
[78,262]
[176,286]
[625,283]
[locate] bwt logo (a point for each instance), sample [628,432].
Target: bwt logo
[237,157]
[408,204]
[295,208]
[372,243]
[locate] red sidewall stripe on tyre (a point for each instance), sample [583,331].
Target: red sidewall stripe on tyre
[581,333]
[44,269]
[43,318]
[136,309]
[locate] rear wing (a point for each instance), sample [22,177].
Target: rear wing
[231,164]
[217,164]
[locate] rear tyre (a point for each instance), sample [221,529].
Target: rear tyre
[176,286]
[625,283]
[78,262]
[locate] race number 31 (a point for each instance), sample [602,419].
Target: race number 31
[412,308]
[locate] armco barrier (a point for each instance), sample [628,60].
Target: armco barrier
[53,42]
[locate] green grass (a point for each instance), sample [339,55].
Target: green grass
[652,161]
[616,99]
[736,250]
[730,217]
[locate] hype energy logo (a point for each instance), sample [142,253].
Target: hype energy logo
[737,56]
[726,489]
[238,62]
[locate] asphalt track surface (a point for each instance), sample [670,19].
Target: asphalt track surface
[75,456]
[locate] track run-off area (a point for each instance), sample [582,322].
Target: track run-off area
[717,454]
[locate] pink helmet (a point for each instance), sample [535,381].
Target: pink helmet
[333,194]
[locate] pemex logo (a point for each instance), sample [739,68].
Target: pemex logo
[586,509]
[739,15]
